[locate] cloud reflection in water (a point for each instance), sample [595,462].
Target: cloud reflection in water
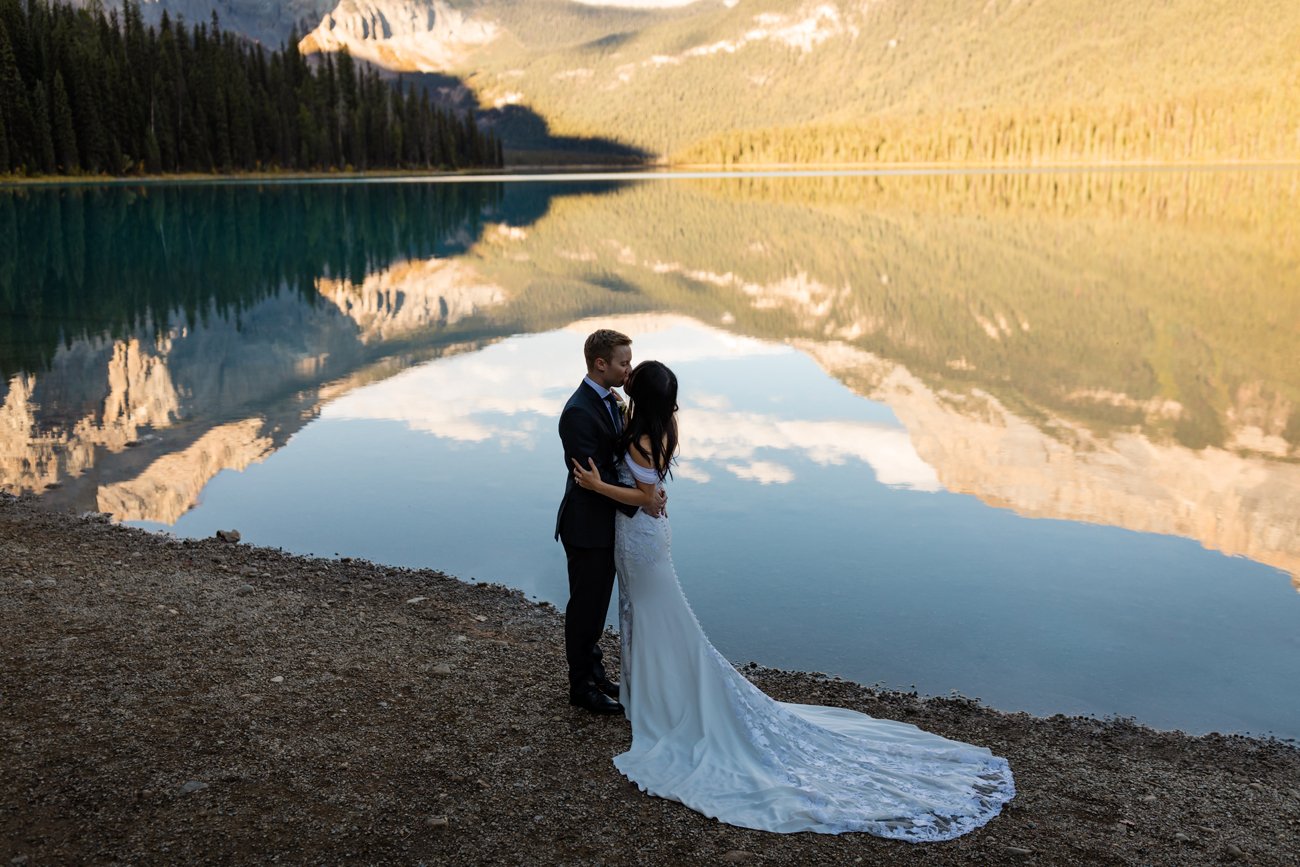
[512,393]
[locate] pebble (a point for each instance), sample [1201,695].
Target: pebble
[1150,799]
[416,599]
[193,786]
[279,678]
[228,535]
[480,618]
[244,589]
[436,821]
[1182,838]
[49,582]
[442,668]
[1295,793]
[1234,851]
[1018,850]
[1121,827]
[736,855]
[1258,787]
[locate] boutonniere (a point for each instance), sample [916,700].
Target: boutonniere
[622,404]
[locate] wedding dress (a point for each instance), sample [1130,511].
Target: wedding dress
[705,736]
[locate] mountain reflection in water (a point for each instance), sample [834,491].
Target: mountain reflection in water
[1109,348]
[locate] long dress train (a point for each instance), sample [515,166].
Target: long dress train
[705,736]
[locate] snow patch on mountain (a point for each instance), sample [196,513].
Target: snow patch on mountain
[643,4]
[802,31]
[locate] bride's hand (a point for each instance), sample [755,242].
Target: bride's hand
[586,478]
[658,506]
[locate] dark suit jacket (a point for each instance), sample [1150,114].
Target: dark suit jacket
[586,519]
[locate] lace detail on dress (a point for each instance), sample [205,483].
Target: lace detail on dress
[640,538]
[835,775]
[625,645]
[704,735]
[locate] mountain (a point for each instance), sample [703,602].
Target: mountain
[888,80]
[834,81]
[418,35]
[269,22]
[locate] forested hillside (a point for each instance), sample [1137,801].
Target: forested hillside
[1008,81]
[85,91]
[838,82]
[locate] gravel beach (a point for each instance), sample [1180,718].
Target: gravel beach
[168,701]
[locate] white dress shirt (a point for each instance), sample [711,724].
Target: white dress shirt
[602,391]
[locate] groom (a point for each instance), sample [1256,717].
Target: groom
[590,427]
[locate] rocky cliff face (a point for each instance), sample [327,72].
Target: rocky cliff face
[170,486]
[132,393]
[138,427]
[106,410]
[412,297]
[1241,505]
[413,35]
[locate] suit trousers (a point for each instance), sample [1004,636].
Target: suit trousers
[591,582]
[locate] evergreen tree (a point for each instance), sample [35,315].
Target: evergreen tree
[44,150]
[85,98]
[15,110]
[65,138]
[86,90]
[4,148]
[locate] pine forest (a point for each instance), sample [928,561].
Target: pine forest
[84,91]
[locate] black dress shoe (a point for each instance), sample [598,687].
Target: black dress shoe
[609,687]
[593,700]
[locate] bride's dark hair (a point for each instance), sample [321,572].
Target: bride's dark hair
[653,390]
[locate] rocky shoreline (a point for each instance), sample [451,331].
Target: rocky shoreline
[203,701]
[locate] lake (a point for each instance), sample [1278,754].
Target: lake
[1032,437]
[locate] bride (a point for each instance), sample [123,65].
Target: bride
[705,736]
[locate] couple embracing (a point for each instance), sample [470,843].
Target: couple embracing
[702,734]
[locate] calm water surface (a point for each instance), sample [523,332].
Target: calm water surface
[1034,438]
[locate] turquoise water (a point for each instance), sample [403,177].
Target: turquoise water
[1031,442]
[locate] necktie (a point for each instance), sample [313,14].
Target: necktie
[613,409]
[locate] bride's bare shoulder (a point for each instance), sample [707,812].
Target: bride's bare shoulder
[641,453]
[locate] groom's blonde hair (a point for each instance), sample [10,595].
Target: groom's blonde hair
[600,344]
